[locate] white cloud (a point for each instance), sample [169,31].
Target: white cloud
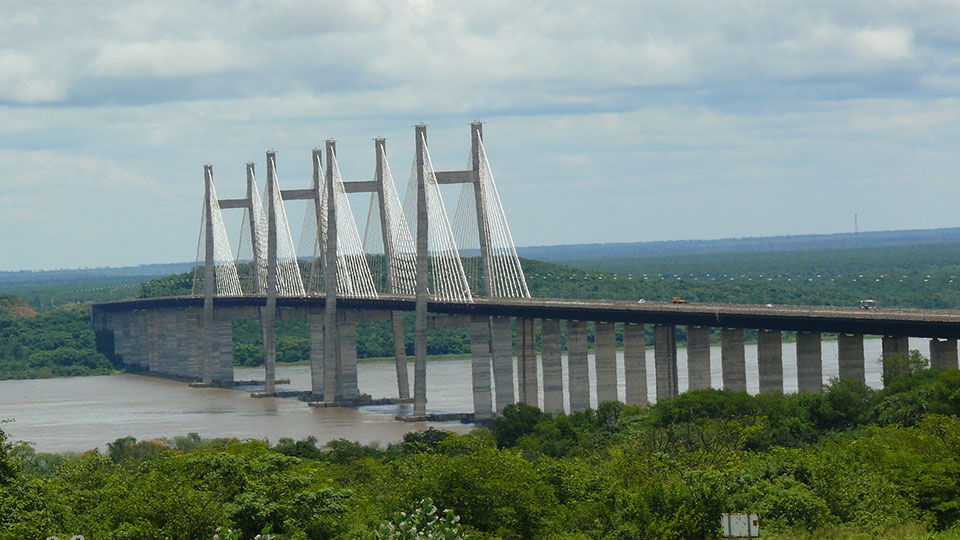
[163,59]
[22,82]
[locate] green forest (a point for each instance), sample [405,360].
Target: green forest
[850,462]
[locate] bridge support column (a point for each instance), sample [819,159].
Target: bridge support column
[140,332]
[224,344]
[578,370]
[665,356]
[153,340]
[605,361]
[121,336]
[809,362]
[850,351]
[527,361]
[168,341]
[502,333]
[315,325]
[770,360]
[480,367]
[400,353]
[635,364]
[893,346]
[943,354]
[194,343]
[698,357]
[347,388]
[733,359]
[552,366]
[182,323]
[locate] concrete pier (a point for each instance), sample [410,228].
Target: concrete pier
[480,367]
[315,325]
[552,366]
[527,361]
[943,353]
[894,345]
[224,345]
[195,343]
[502,334]
[399,352]
[635,364]
[665,360]
[182,368]
[577,367]
[733,359]
[347,384]
[770,360]
[809,362]
[605,360]
[850,351]
[698,357]
[167,332]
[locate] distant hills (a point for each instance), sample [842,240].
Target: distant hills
[565,253]
[573,252]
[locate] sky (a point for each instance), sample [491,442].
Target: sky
[603,121]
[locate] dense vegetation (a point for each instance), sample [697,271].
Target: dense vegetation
[56,343]
[850,460]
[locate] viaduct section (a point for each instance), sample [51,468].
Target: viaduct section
[462,273]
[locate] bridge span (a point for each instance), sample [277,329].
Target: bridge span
[165,335]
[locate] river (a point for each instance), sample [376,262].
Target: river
[80,413]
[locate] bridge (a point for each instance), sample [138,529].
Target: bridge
[459,273]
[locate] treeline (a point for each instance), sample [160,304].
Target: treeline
[850,462]
[57,343]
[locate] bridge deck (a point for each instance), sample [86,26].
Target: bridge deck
[897,322]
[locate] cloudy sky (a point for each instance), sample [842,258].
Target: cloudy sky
[604,121]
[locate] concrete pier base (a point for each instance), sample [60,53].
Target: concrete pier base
[770,360]
[527,361]
[665,360]
[552,367]
[502,334]
[153,341]
[480,367]
[809,362]
[635,364]
[850,352]
[943,353]
[733,359]
[698,357]
[577,367]
[605,355]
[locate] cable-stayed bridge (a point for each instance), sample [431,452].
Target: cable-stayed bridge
[453,272]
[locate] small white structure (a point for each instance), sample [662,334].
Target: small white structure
[740,525]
